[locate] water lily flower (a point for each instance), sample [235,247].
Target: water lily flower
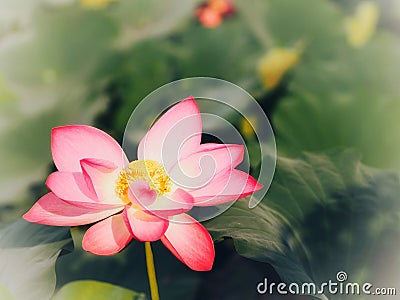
[208,17]
[213,12]
[276,62]
[95,3]
[146,199]
[362,25]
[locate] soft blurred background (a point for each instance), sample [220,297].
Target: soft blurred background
[326,72]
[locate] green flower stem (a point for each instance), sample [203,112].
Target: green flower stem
[151,272]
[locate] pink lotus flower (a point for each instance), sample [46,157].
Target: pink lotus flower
[212,13]
[142,199]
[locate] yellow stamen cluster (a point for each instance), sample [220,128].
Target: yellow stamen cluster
[143,170]
[121,186]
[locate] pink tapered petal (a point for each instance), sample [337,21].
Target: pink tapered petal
[140,192]
[199,168]
[70,144]
[236,151]
[145,227]
[168,205]
[70,186]
[227,187]
[101,176]
[190,242]
[51,210]
[107,237]
[176,134]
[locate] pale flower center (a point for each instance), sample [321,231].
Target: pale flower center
[143,170]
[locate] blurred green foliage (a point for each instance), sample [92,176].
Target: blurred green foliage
[94,290]
[63,63]
[322,214]
[28,254]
